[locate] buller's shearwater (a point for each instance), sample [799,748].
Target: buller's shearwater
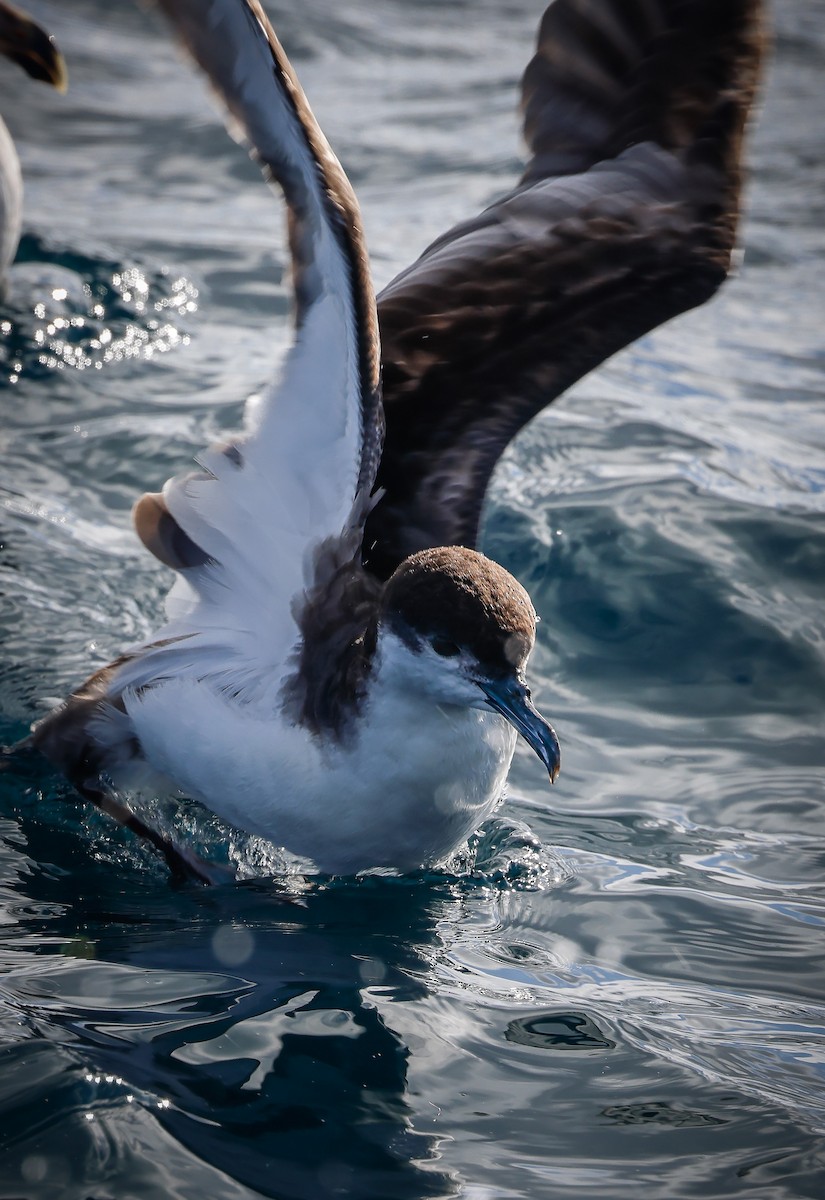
[25,43]
[341,672]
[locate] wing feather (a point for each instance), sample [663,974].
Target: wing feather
[625,216]
[241,531]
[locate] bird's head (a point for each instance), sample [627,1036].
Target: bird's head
[465,628]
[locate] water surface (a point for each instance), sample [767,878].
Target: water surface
[618,988]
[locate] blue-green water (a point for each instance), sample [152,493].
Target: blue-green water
[618,990]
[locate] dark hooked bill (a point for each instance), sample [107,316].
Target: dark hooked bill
[511,698]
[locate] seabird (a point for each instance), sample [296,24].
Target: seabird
[24,42]
[341,670]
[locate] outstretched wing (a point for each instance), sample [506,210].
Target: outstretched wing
[625,216]
[241,532]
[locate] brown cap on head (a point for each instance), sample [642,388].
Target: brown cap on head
[460,596]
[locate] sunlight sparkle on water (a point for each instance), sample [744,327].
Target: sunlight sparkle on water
[100,319]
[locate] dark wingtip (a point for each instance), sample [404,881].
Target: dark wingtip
[32,48]
[606,77]
[18,758]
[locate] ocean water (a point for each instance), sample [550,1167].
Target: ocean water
[618,988]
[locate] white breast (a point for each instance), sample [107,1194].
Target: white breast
[11,199]
[410,786]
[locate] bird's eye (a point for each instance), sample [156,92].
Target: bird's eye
[445,647]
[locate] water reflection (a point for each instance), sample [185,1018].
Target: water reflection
[658,1113]
[279,1069]
[559,1031]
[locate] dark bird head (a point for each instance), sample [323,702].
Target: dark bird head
[24,42]
[470,627]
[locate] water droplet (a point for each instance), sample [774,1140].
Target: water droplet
[232,945]
[35,1168]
